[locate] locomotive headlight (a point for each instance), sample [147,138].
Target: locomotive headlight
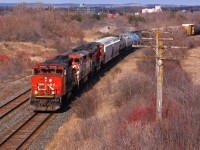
[52,92]
[36,92]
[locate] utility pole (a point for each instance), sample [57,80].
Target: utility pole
[159,74]
[159,48]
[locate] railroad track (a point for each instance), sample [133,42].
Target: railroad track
[13,104]
[19,136]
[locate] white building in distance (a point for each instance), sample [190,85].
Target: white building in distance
[152,10]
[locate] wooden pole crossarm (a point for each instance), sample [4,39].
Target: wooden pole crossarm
[144,46]
[175,47]
[163,58]
[146,57]
[147,31]
[148,38]
[166,32]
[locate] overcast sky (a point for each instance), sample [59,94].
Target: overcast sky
[177,2]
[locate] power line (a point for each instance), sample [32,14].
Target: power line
[160,49]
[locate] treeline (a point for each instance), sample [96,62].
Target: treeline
[49,28]
[61,29]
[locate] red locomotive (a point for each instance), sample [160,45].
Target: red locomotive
[53,80]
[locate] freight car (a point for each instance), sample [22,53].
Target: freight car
[53,80]
[125,41]
[110,46]
[191,29]
[135,37]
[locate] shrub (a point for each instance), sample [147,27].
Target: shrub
[136,19]
[86,106]
[97,17]
[76,17]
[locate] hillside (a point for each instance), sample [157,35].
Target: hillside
[117,108]
[72,134]
[122,106]
[17,59]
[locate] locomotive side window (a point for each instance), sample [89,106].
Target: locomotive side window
[36,71]
[59,71]
[84,59]
[76,60]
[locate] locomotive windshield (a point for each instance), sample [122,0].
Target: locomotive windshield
[51,70]
[47,71]
[44,70]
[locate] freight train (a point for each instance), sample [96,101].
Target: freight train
[53,80]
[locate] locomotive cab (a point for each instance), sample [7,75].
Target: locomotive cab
[81,62]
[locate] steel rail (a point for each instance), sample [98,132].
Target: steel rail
[31,127]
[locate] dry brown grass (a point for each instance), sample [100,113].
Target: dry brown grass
[122,114]
[113,99]
[91,35]
[12,48]
[17,58]
[192,65]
